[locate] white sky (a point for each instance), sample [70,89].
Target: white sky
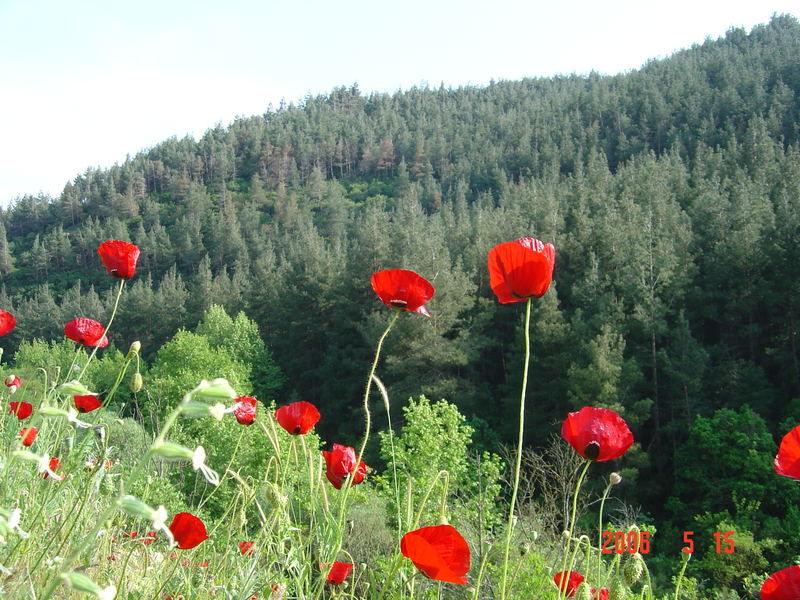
[83,83]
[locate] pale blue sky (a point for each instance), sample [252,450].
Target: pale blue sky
[86,82]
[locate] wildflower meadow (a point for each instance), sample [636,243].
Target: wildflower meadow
[209,492]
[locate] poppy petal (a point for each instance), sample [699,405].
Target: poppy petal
[783,585]
[87,332]
[7,322]
[402,289]
[597,434]
[87,403]
[440,552]
[521,269]
[119,258]
[574,579]
[189,531]
[23,410]
[787,461]
[338,573]
[298,418]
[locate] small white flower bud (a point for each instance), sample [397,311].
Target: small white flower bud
[615,478]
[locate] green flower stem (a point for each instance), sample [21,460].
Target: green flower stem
[518,462]
[399,556]
[563,586]
[600,534]
[206,498]
[385,396]
[349,481]
[90,536]
[120,375]
[107,328]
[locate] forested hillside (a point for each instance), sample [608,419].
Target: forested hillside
[671,194]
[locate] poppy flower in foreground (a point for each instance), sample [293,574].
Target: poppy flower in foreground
[298,418]
[245,409]
[402,289]
[87,332]
[87,403]
[341,462]
[338,573]
[188,530]
[521,269]
[783,585]
[440,552]
[597,434]
[28,435]
[23,410]
[787,461]
[119,258]
[573,580]
[7,322]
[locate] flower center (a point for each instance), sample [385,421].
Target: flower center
[398,303]
[296,430]
[592,451]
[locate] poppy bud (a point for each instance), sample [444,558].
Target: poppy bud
[136,382]
[10,380]
[136,508]
[133,349]
[218,389]
[618,591]
[82,583]
[615,478]
[273,495]
[74,388]
[584,592]
[52,411]
[170,450]
[524,548]
[633,569]
[196,409]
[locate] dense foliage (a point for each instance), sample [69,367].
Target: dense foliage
[671,193]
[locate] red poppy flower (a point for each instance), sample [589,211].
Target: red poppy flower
[603,594]
[7,322]
[521,269]
[438,551]
[87,403]
[787,461]
[188,530]
[23,410]
[298,418]
[246,547]
[402,289]
[87,332]
[12,381]
[783,585]
[574,579]
[28,435]
[119,258]
[341,462]
[338,573]
[597,433]
[245,410]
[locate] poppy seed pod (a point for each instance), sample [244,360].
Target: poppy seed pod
[633,569]
[584,591]
[136,383]
[133,349]
[618,591]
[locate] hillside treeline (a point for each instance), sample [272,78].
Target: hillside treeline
[670,193]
